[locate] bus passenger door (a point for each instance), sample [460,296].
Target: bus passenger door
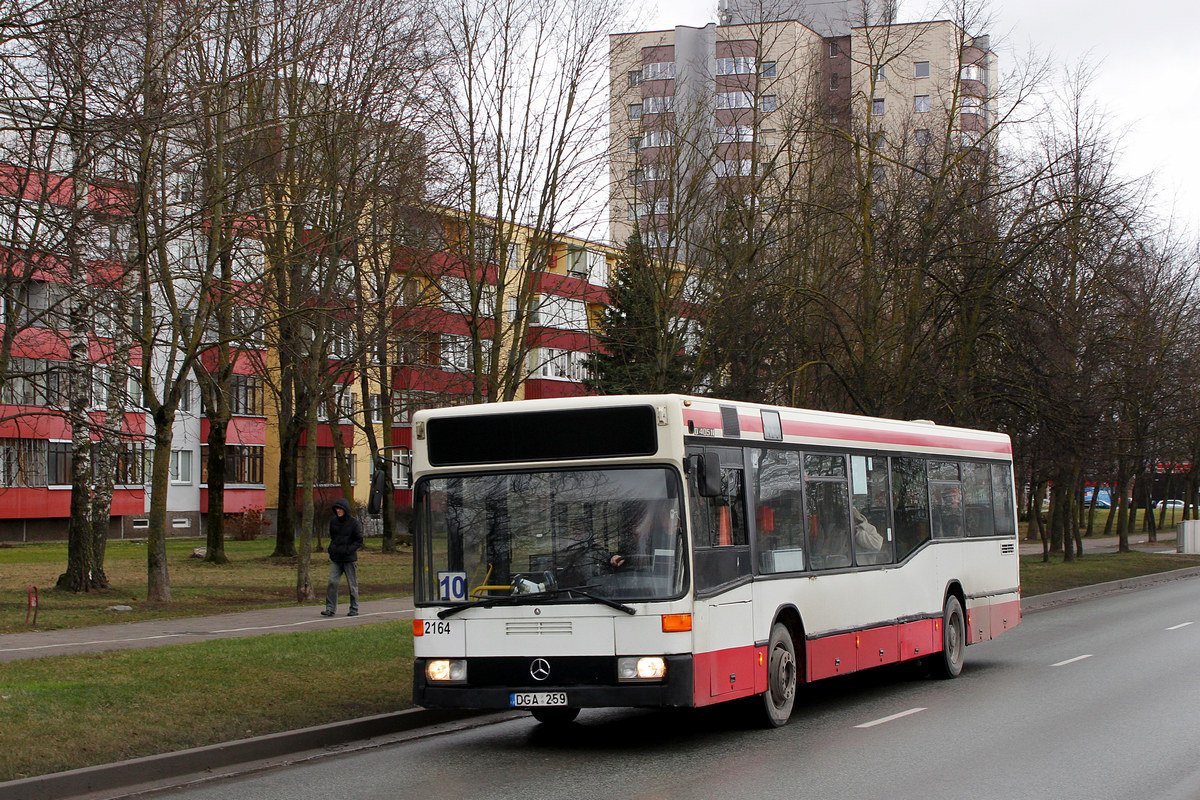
[725,657]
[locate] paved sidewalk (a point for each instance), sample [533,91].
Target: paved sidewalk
[133,635]
[1108,544]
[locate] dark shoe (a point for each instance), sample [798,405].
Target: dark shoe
[326,613]
[352,614]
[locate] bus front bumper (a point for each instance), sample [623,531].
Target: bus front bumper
[492,684]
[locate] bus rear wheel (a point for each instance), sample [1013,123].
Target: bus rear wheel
[954,639]
[555,715]
[782,678]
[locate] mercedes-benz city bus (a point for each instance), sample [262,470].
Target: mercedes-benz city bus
[664,550]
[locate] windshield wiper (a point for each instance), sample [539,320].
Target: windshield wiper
[521,599]
[582,592]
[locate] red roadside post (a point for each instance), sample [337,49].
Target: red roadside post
[32,607]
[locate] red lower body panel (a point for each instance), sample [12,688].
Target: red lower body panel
[741,671]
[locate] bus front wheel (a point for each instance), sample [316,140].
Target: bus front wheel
[954,640]
[782,677]
[555,715]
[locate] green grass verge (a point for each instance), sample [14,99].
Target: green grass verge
[251,579]
[1038,577]
[74,711]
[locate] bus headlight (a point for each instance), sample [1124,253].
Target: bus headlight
[446,670]
[641,668]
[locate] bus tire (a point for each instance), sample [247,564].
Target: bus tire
[555,715]
[783,675]
[949,663]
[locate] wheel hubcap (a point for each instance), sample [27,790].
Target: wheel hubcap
[783,674]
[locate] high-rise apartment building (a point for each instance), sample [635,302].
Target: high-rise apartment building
[700,117]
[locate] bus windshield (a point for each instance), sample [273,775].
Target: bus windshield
[553,536]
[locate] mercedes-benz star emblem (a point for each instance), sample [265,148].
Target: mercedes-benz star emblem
[540,669]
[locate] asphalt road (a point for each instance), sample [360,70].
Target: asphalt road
[1093,700]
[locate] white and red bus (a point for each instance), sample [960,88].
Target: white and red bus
[663,550]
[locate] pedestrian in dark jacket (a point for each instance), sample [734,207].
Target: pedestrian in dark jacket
[345,540]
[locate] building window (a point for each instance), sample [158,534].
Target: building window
[375,408]
[635,77]
[657,105]
[973,72]
[458,354]
[972,105]
[25,384]
[181,466]
[733,168]
[921,137]
[634,144]
[556,311]
[552,363]
[58,463]
[635,110]
[834,50]
[835,80]
[877,107]
[326,473]
[656,139]
[770,103]
[920,69]
[767,70]
[662,70]
[921,104]
[734,133]
[22,462]
[735,100]
[877,72]
[243,463]
[185,397]
[131,464]
[246,396]
[739,65]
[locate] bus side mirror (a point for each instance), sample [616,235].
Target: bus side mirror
[708,474]
[378,488]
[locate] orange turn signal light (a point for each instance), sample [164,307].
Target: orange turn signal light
[676,623]
[418,627]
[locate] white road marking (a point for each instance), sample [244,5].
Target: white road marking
[892,718]
[1180,625]
[1071,660]
[97,641]
[304,622]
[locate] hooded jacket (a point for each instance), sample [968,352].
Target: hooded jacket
[345,535]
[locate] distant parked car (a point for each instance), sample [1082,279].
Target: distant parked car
[1170,504]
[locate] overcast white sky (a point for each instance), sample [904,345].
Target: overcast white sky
[1145,76]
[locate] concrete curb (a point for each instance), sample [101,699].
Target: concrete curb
[1043,602]
[170,769]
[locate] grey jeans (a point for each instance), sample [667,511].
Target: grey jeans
[336,570]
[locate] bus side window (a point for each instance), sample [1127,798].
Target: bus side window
[719,530]
[827,504]
[910,504]
[872,515]
[977,499]
[1002,500]
[779,511]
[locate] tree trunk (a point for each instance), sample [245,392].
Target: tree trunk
[1091,511]
[214,548]
[285,534]
[104,451]
[304,583]
[158,581]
